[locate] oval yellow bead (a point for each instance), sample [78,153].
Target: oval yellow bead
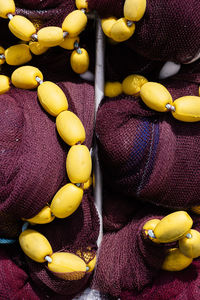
[134,9]
[67,266]
[52,98]
[82,4]
[91,265]
[36,48]
[4,84]
[24,77]
[43,217]
[50,36]
[66,201]
[88,183]
[68,42]
[132,84]
[120,31]
[190,244]
[176,261]
[173,227]
[2,51]
[187,109]
[78,164]
[74,23]
[6,7]
[18,55]
[35,245]
[79,61]
[70,128]
[155,96]
[150,225]
[22,28]
[107,24]
[112,89]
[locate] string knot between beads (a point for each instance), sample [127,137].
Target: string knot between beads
[151,234]
[170,107]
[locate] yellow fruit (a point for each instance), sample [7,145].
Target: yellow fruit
[112,89]
[187,109]
[2,51]
[82,4]
[36,48]
[176,261]
[120,31]
[189,245]
[6,7]
[78,164]
[173,227]
[52,98]
[74,23]
[67,266]
[68,42]
[18,55]
[79,61]
[35,245]
[50,36]
[70,128]
[155,96]
[22,28]
[66,201]
[43,217]
[87,184]
[4,84]
[24,77]
[107,24]
[134,9]
[132,84]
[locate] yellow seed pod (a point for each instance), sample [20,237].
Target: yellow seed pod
[134,9]
[43,217]
[120,31]
[155,96]
[132,84]
[78,164]
[52,98]
[2,51]
[70,128]
[36,48]
[196,209]
[189,245]
[79,61]
[6,7]
[35,245]
[91,265]
[82,4]
[187,109]
[68,42]
[24,77]
[4,84]
[18,55]
[107,24]
[87,184]
[150,225]
[176,261]
[50,36]
[173,227]
[67,266]
[74,23]
[22,28]
[66,200]
[112,89]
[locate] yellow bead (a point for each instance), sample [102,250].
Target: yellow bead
[67,266]
[43,217]
[70,128]
[112,89]
[107,24]
[132,84]
[6,7]
[68,42]
[87,184]
[134,9]
[24,77]
[120,31]
[151,225]
[66,201]
[82,4]
[173,227]
[36,48]
[4,84]
[35,245]
[50,36]
[22,28]
[176,261]
[155,96]
[190,244]
[187,109]
[78,164]
[52,98]
[79,61]
[18,55]
[91,265]
[74,23]
[2,51]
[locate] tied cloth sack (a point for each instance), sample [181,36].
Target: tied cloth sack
[32,168]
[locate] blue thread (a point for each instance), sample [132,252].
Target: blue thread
[25,226]
[7,241]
